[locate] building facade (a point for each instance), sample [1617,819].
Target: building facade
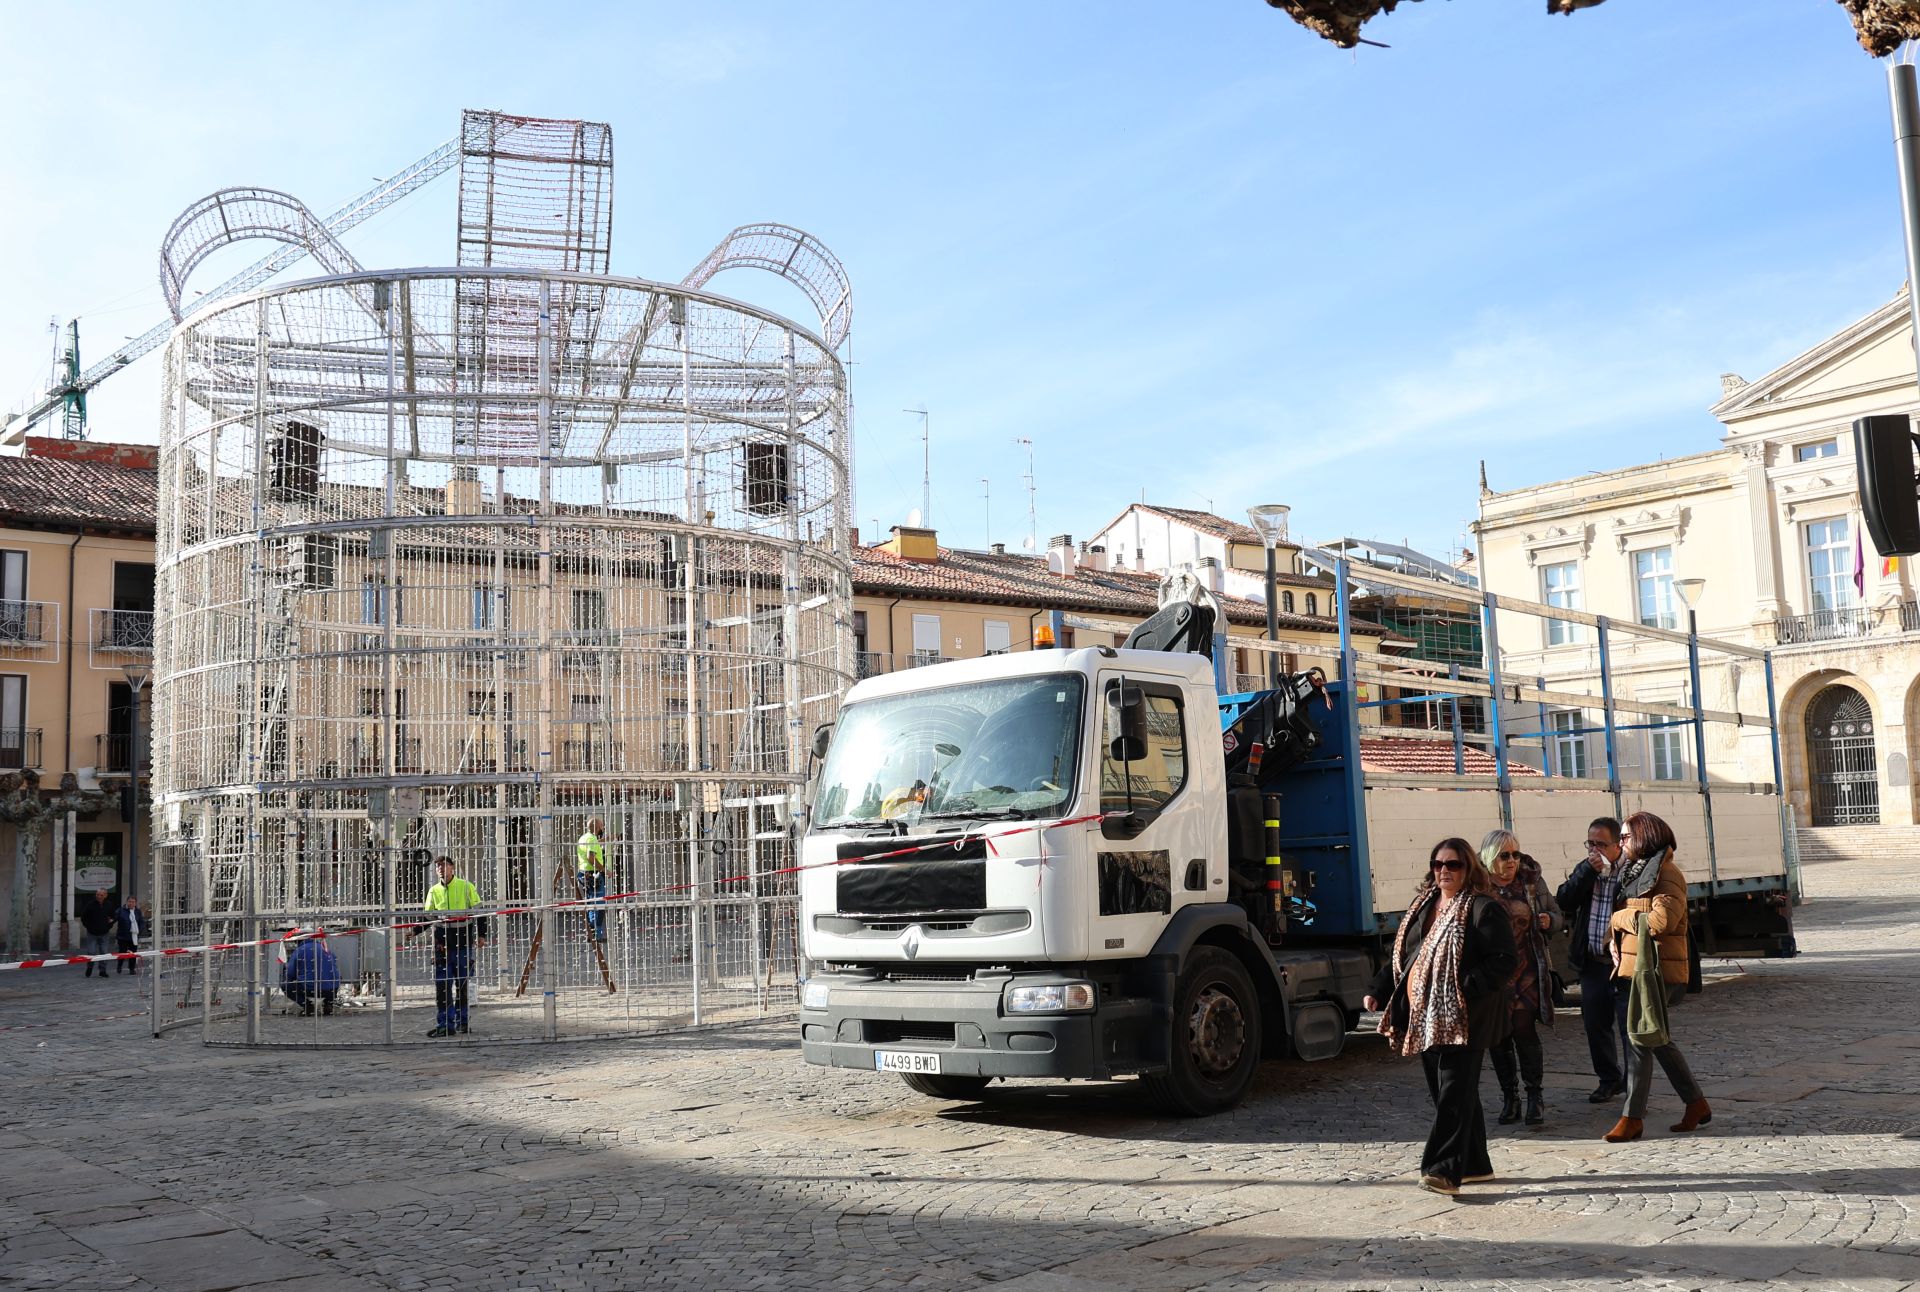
[76,644]
[1769,519]
[916,602]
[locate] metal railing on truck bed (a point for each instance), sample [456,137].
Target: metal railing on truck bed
[1555,754]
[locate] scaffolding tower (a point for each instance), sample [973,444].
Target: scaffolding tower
[453,561]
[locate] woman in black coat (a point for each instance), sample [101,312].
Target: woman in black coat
[1443,996]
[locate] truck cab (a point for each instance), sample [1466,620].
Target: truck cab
[1021,866]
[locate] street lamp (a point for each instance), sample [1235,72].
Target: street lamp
[1689,591]
[137,675]
[1269,520]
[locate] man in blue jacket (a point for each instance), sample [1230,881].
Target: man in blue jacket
[312,974]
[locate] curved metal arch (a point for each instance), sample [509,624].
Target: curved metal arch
[233,215]
[794,255]
[1839,703]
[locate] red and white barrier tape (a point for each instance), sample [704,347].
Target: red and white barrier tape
[598,903]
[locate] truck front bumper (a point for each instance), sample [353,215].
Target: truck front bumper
[965,1023]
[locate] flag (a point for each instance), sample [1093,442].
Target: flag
[1859,563]
[1889,567]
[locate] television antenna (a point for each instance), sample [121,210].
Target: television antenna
[1033,523]
[926,466]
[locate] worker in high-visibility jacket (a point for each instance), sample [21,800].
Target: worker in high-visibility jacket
[453,943]
[590,858]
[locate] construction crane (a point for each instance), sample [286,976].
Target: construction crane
[68,391]
[66,375]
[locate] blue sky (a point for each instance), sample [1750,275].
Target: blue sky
[1187,248]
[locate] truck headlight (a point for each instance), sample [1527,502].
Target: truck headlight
[813,995]
[1054,998]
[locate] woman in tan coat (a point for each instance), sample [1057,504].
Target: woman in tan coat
[1651,885]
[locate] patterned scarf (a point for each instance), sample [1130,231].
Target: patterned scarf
[1436,1004]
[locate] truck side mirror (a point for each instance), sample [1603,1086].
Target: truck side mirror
[822,737]
[1130,720]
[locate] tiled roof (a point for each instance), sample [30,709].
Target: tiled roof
[962,575]
[1204,521]
[1429,758]
[1208,523]
[45,492]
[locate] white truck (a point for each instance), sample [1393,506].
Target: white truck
[1087,863]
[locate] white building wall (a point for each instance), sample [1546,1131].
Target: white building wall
[1738,516]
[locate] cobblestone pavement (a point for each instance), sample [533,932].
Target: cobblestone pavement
[720,1160]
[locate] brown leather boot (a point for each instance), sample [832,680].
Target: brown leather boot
[1698,1114]
[1627,1128]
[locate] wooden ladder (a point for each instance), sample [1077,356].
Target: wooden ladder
[563,874]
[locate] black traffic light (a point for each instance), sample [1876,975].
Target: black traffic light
[1889,493]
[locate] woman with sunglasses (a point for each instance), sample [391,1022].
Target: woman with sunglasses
[1517,1057]
[1651,885]
[1443,996]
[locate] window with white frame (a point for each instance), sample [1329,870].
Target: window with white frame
[1818,449]
[1560,585]
[999,637]
[14,618]
[13,721]
[1653,588]
[376,598]
[486,598]
[13,576]
[1569,746]
[926,637]
[1668,751]
[1830,564]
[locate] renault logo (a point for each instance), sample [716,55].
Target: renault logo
[911,945]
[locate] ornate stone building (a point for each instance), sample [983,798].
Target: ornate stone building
[1770,520]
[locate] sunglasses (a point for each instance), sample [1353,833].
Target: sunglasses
[1509,856]
[1449,864]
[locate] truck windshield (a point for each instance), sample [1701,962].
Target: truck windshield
[1006,748]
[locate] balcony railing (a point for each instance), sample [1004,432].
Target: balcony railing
[30,630]
[113,752]
[1826,625]
[368,757]
[593,755]
[129,631]
[867,663]
[19,748]
[23,622]
[1910,616]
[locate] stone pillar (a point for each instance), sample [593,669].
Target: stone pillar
[1767,602]
[1891,737]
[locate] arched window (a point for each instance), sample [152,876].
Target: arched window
[1313,604]
[1286,602]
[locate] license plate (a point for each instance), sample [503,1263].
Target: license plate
[905,1061]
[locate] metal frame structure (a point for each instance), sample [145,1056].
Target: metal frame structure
[454,560]
[1420,683]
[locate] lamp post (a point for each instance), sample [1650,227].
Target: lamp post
[1689,591]
[1269,520]
[137,675]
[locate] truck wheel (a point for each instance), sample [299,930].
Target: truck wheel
[1215,1042]
[946,1087]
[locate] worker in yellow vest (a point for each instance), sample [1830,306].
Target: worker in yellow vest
[591,858]
[453,943]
